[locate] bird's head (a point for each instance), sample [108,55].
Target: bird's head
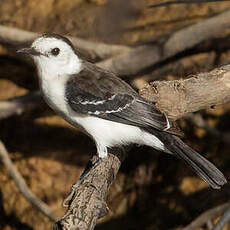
[54,53]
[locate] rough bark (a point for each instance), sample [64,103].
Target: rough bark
[89,203]
[176,98]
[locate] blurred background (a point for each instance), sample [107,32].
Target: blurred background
[152,190]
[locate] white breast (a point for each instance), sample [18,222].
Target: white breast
[105,133]
[53,89]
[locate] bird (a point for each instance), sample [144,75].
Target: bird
[105,107]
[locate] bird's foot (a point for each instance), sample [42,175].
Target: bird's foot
[89,167]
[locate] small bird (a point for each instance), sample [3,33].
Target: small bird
[105,107]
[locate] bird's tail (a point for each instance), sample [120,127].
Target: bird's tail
[205,169]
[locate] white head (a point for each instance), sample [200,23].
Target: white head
[54,55]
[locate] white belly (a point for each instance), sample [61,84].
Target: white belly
[105,133]
[108,133]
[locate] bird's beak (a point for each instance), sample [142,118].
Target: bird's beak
[29,51]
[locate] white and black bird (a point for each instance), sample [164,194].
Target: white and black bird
[105,107]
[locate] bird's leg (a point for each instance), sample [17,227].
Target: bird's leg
[89,167]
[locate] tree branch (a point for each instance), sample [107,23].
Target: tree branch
[19,181]
[126,61]
[178,97]
[223,220]
[89,198]
[206,216]
[140,58]
[22,104]
[15,37]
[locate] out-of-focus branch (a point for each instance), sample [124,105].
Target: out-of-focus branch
[19,181]
[137,59]
[198,121]
[21,104]
[223,220]
[126,61]
[15,37]
[176,98]
[206,216]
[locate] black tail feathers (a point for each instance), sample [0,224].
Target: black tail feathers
[205,169]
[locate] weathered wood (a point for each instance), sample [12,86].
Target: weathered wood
[89,203]
[176,98]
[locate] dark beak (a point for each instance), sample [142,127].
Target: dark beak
[29,51]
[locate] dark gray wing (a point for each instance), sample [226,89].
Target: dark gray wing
[100,93]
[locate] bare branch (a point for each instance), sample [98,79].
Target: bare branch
[13,36]
[176,98]
[223,220]
[127,61]
[21,104]
[206,216]
[137,59]
[19,181]
[89,202]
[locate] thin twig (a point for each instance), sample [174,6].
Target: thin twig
[142,57]
[223,220]
[14,36]
[206,216]
[19,181]
[21,104]
[126,61]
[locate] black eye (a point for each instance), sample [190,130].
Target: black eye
[55,51]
